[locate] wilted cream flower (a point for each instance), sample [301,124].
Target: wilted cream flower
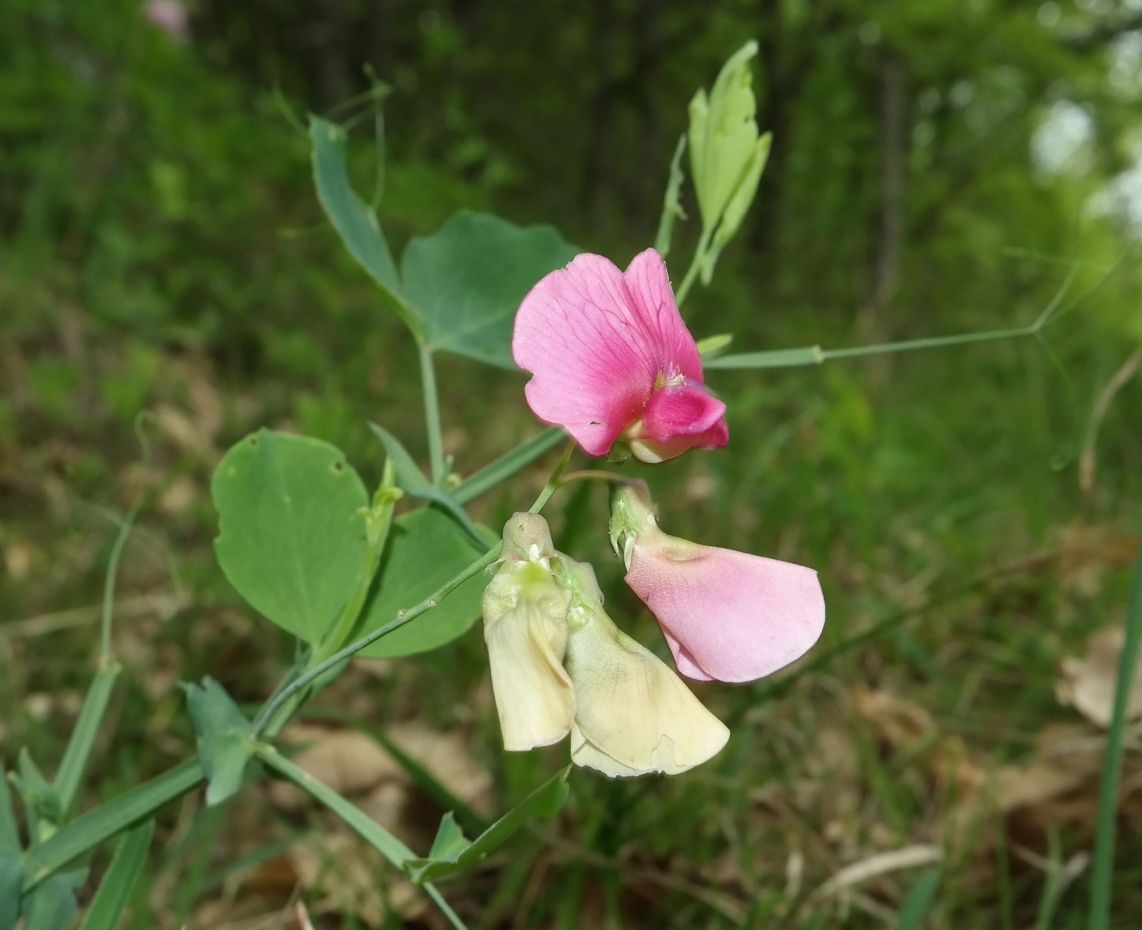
[560,665]
[525,627]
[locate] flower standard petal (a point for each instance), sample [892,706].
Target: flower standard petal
[675,352]
[578,334]
[604,349]
[525,628]
[633,716]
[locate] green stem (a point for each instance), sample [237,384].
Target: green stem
[105,652]
[506,465]
[695,264]
[554,481]
[82,739]
[432,414]
[1102,870]
[271,707]
[815,355]
[368,829]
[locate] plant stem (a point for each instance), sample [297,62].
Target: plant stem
[695,263]
[553,482]
[815,355]
[1102,870]
[431,414]
[106,657]
[507,465]
[271,707]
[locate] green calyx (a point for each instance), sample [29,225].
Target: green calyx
[632,513]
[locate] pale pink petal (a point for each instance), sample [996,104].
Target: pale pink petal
[653,300]
[579,336]
[728,615]
[683,660]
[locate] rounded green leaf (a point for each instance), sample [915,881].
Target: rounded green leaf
[291,528]
[467,279]
[425,549]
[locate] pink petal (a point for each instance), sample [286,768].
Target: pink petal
[727,615]
[686,409]
[598,342]
[653,299]
[577,334]
[683,660]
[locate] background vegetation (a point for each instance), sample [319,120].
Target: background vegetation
[938,167]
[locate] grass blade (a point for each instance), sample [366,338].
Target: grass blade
[919,901]
[1102,870]
[501,469]
[9,833]
[89,830]
[115,890]
[82,738]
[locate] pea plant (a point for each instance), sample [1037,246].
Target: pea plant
[615,373]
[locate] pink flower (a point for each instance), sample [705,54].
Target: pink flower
[611,360]
[726,615]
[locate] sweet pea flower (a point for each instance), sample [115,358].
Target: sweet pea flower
[726,615]
[560,666]
[611,360]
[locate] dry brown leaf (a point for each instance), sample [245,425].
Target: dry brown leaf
[897,721]
[353,763]
[449,758]
[1056,786]
[185,433]
[178,498]
[347,761]
[349,876]
[1087,552]
[19,558]
[1088,684]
